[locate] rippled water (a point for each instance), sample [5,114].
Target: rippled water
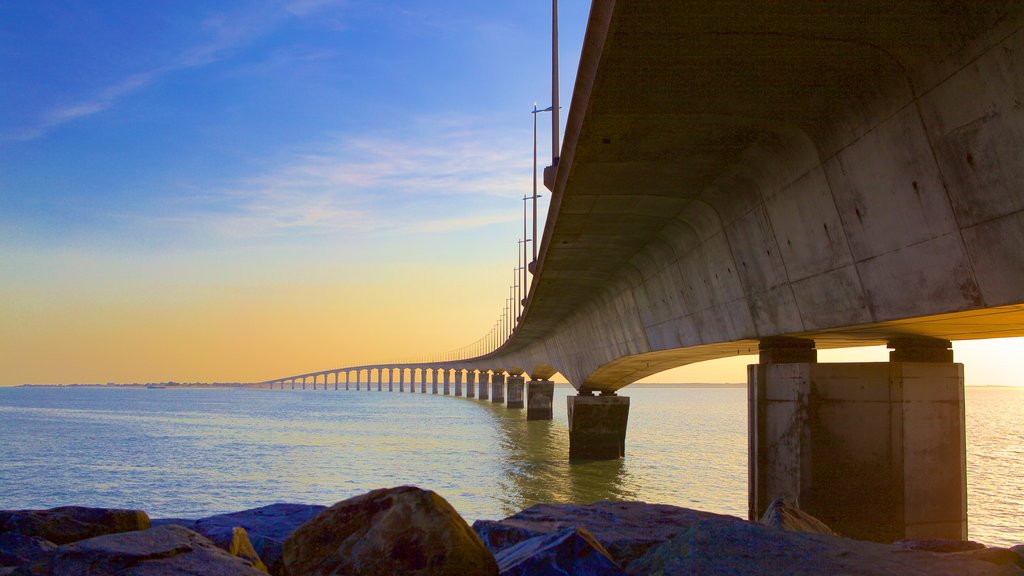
[198,452]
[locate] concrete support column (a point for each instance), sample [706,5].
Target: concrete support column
[597,426]
[391,380]
[445,376]
[470,383]
[293,383]
[346,379]
[875,450]
[304,378]
[423,381]
[540,395]
[435,374]
[498,388]
[380,378]
[337,376]
[359,378]
[515,391]
[485,384]
[401,379]
[458,382]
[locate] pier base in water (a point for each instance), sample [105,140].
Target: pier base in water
[539,396]
[498,389]
[597,427]
[515,392]
[874,450]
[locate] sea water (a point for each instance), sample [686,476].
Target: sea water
[197,452]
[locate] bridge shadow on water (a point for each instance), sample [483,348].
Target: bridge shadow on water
[533,456]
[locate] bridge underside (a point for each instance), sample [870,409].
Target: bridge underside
[847,172]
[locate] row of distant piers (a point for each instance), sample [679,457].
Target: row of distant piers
[483,384]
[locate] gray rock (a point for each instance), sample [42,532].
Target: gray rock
[235,541]
[937,545]
[780,514]
[164,551]
[402,530]
[267,527]
[625,529]
[16,549]
[564,553]
[72,523]
[737,548]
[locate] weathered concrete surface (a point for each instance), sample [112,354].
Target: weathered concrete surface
[597,427]
[515,392]
[540,395]
[846,171]
[498,388]
[876,451]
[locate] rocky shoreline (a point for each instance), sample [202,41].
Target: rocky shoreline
[407,530]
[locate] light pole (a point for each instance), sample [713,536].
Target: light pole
[535,196]
[554,83]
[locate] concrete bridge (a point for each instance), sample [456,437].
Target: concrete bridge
[777,178]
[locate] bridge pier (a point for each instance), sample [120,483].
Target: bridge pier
[435,374]
[540,395]
[597,426]
[458,382]
[875,450]
[485,384]
[515,391]
[498,388]
[380,378]
[445,376]
[470,383]
[423,381]
[401,379]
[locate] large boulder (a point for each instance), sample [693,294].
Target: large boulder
[569,551]
[402,530]
[164,551]
[625,529]
[71,523]
[736,548]
[780,514]
[16,549]
[267,527]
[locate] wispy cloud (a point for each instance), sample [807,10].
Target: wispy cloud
[226,34]
[448,179]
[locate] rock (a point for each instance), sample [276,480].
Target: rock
[569,551]
[402,530]
[72,523]
[936,545]
[267,527]
[625,529]
[164,551]
[236,542]
[732,547]
[994,555]
[780,514]
[16,549]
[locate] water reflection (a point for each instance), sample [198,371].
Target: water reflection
[535,465]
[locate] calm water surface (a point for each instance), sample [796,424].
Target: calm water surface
[191,453]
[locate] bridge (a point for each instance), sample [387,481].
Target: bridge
[777,178]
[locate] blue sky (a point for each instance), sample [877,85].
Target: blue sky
[295,161]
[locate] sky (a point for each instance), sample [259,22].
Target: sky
[248,189]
